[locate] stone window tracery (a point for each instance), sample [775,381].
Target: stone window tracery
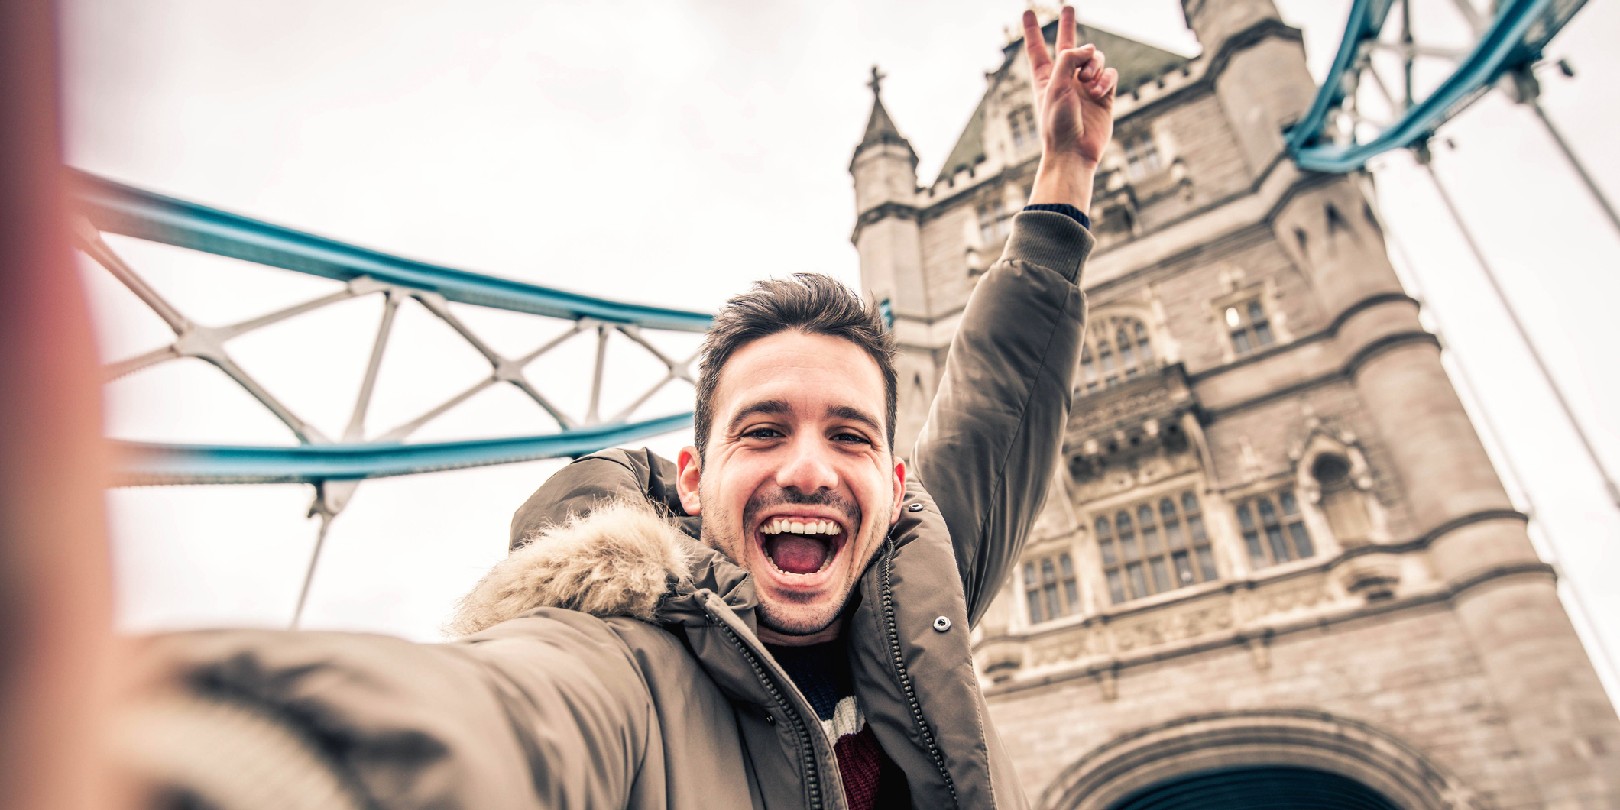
[1116,349]
[993,222]
[1022,124]
[1154,547]
[1248,326]
[1142,157]
[1273,529]
[1050,588]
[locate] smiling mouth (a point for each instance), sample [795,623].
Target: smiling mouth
[801,546]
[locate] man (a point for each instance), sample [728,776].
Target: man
[803,643]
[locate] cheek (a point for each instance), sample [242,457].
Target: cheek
[729,491]
[879,497]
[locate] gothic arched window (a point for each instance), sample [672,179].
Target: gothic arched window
[1141,156]
[1050,588]
[992,225]
[1144,347]
[1273,528]
[1153,547]
[1021,122]
[1116,349]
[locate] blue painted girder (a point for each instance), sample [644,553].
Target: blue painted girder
[156,464]
[1515,39]
[122,209]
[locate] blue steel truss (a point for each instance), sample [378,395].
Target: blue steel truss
[1512,40]
[109,207]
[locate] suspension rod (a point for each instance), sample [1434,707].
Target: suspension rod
[1424,159]
[1575,162]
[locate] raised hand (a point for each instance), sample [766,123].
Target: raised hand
[1074,98]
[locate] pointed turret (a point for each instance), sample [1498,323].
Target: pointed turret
[889,242]
[880,128]
[884,164]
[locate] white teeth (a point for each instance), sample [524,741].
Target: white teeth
[779,525]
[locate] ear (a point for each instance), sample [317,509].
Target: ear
[899,490]
[688,475]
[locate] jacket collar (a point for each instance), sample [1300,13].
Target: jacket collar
[622,559]
[626,560]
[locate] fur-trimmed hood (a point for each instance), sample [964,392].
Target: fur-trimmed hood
[621,559]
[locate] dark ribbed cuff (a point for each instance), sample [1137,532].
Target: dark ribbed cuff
[1065,209]
[1056,242]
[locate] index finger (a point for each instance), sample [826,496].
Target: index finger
[1035,44]
[1065,32]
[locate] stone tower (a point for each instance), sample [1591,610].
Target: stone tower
[1277,554]
[889,238]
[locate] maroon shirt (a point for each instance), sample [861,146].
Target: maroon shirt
[822,674]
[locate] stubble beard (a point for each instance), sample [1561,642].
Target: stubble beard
[732,538]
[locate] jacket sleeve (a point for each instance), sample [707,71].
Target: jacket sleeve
[995,429]
[549,710]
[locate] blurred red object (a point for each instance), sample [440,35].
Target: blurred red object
[55,583]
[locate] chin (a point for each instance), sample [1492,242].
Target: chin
[798,620]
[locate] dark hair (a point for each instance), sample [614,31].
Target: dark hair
[807,302]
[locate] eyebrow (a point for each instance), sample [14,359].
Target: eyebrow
[777,407]
[855,415]
[767,407]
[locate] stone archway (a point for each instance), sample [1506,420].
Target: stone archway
[1138,762]
[1264,787]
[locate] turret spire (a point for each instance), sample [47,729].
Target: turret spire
[880,128]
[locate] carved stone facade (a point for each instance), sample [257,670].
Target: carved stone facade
[1275,540]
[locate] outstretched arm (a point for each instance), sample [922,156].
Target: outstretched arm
[996,425]
[548,710]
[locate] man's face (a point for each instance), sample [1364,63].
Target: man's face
[798,484]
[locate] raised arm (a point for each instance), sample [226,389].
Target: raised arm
[995,428]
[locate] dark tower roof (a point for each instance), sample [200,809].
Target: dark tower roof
[880,128]
[1137,63]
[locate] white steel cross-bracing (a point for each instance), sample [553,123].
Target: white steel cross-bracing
[335,465]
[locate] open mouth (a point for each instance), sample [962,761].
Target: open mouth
[801,546]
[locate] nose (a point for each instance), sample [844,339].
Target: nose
[808,467]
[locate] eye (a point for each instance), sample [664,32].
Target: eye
[762,433]
[848,437]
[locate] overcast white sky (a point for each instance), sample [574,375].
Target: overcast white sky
[668,153]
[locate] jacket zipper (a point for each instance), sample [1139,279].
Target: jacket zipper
[807,746]
[892,628]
